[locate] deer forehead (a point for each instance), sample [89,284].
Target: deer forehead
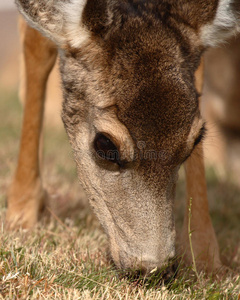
[150,99]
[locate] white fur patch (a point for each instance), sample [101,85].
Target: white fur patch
[61,21]
[75,32]
[223,26]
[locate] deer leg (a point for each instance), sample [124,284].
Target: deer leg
[26,195]
[203,238]
[205,248]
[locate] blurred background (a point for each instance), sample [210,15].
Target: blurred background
[9,46]
[10,59]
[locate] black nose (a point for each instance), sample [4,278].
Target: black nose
[169,273]
[148,273]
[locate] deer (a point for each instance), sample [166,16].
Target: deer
[131,77]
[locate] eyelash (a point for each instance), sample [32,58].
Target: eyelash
[201,136]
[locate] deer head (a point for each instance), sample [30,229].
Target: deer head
[131,107]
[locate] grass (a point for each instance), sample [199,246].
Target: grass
[65,255]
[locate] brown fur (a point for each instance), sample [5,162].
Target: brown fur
[128,71]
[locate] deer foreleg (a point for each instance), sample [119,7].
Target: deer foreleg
[197,222]
[26,195]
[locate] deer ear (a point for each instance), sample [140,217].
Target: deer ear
[59,20]
[225,24]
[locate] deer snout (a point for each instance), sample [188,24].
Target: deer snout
[145,256]
[164,272]
[148,268]
[145,263]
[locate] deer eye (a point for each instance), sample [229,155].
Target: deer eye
[105,148]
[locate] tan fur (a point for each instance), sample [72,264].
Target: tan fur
[130,79]
[205,246]
[26,195]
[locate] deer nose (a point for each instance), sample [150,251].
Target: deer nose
[148,269]
[161,275]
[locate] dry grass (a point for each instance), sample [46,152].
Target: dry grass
[65,255]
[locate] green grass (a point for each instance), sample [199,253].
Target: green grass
[65,256]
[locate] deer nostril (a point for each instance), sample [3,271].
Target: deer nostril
[147,274]
[167,271]
[164,273]
[135,269]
